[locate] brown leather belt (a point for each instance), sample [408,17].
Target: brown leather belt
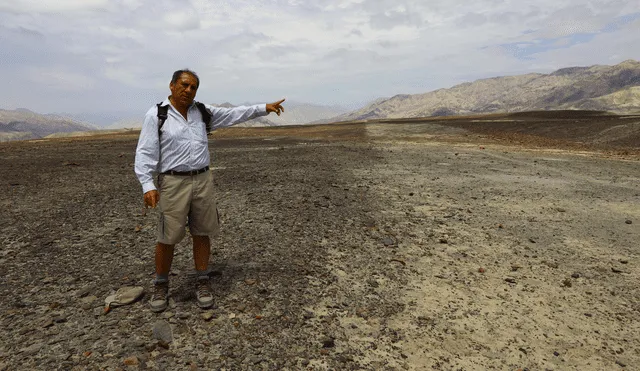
[187,173]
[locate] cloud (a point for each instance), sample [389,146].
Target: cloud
[48,7]
[60,78]
[343,51]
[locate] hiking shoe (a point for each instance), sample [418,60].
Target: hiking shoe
[159,300]
[204,294]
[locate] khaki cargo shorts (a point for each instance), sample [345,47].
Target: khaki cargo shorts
[186,198]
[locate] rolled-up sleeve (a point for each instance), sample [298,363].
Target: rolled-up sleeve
[147,152]
[224,117]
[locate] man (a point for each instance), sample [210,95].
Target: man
[179,153]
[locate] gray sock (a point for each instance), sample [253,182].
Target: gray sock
[202,275]
[161,278]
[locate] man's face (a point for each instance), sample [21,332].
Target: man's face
[183,91]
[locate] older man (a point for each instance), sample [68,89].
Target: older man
[173,143]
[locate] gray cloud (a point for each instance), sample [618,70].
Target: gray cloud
[67,55]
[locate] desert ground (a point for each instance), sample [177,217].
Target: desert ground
[501,242]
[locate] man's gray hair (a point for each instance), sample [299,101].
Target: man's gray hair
[178,73]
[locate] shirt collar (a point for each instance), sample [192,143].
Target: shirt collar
[166,102]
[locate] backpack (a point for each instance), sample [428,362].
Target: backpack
[163,110]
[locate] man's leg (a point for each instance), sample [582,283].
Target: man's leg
[164,258]
[201,252]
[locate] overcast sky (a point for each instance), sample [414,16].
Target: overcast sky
[118,55]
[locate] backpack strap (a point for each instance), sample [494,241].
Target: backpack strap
[162,116]
[206,115]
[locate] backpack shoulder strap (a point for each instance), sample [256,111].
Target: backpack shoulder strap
[206,115]
[162,116]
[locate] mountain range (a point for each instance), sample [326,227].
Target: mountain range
[21,124]
[607,88]
[601,88]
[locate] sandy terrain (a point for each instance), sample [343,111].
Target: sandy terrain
[406,245]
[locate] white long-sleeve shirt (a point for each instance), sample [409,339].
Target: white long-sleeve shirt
[183,144]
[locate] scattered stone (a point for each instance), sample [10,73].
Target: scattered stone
[309,314]
[510,280]
[444,240]
[399,261]
[567,283]
[162,331]
[481,270]
[60,318]
[532,240]
[388,241]
[561,210]
[99,311]
[588,315]
[550,264]
[250,281]
[615,270]
[131,361]
[85,291]
[32,349]
[515,267]
[621,363]
[576,275]
[183,315]
[47,322]
[168,315]
[624,261]
[556,353]
[328,342]
[207,316]
[628,221]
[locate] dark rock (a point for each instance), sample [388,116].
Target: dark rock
[162,331]
[628,221]
[510,280]
[388,241]
[308,314]
[328,342]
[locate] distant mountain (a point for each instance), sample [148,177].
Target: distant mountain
[609,88]
[128,123]
[303,113]
[24,124]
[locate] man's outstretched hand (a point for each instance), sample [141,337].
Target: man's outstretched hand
[151,198]
[275,107]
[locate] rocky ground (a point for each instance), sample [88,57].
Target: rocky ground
[421,245]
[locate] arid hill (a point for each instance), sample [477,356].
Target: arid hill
[23,124]
[606,88]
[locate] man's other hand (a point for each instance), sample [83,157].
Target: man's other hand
[275,107]
[151,198]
